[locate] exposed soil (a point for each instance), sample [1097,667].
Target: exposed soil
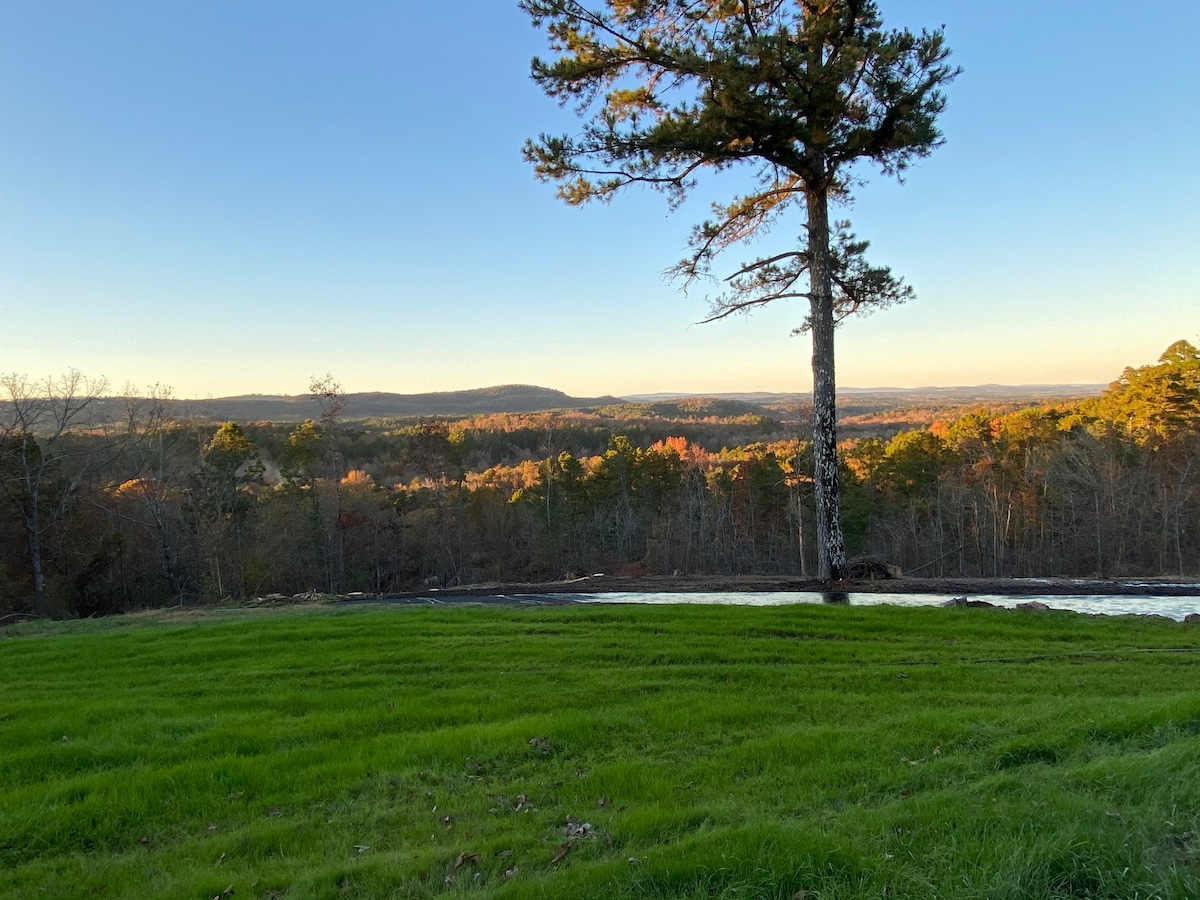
[965,587]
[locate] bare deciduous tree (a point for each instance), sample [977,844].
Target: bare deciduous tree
[42,466]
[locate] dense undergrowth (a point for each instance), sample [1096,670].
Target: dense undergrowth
[649,752]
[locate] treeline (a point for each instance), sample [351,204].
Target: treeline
[141,507]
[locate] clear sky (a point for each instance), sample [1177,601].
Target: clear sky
[230,197]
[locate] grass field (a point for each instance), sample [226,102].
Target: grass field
[635,752]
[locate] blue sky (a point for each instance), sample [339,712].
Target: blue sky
[231,197]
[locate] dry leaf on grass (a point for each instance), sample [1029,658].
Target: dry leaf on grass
[563,850]
[578,830]
[542,745]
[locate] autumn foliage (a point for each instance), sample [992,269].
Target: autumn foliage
[1102,486]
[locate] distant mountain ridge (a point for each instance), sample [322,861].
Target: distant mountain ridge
[964,393]
[506,398]
[525,398]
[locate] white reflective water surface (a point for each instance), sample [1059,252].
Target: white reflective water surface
[1109,605]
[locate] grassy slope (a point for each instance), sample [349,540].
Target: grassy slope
[819,752]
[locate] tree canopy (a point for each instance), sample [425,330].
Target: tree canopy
[1158,403]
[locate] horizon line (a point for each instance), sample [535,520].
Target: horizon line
[666,394]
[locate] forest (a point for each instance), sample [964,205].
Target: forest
[114,504]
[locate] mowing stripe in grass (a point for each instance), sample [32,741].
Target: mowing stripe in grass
[711,752]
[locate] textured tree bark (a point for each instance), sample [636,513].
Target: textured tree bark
[831,548]
[33,535]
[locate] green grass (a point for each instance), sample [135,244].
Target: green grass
[807,751]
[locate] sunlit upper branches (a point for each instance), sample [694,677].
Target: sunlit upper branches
[799,89]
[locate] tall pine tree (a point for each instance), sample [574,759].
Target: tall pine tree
[797,90]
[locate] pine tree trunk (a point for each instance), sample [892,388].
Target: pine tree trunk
[831,549]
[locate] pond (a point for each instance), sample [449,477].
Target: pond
[1110,605]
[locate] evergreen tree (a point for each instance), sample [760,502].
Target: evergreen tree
[1158,404]
[798,90]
